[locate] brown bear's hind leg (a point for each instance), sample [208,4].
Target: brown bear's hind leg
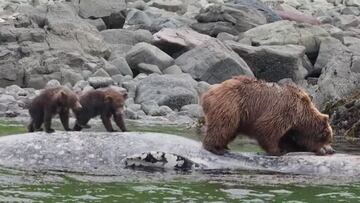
[64,118]
[107,122]
[47,122]
[119,120]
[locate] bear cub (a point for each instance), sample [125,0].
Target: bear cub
[104,102]
[50,102]
[281,118]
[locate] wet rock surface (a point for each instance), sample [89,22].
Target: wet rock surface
[121,153]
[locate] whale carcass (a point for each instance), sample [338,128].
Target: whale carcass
[118,153]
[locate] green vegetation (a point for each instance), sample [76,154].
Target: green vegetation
[11,127]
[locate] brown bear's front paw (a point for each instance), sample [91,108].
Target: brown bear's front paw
[325,150]
[329,149]
[50,130]
[216,150]
[321,152]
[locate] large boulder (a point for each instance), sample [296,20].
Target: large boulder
[67,31]
[122,36]
[147,53]
[273,63]
[232,18]
[176,40]
[337,79]
[212,62]
[98,9]
[173,91]
[287,32]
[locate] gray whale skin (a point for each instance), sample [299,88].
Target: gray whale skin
[118,153]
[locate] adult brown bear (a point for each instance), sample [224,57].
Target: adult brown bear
[280,118]
[104,102]
[50,102]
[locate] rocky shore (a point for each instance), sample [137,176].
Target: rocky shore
[165,53]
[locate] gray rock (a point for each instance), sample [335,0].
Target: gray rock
[259,5]
[346,21]
[165,110]
[39,81]
[80,85]
[287,32]
[231,18]
[147,53]
[333,31]
[70,32]
[130,101]
[180,37]
[70,76]
[122,65]
[212,62]
[150,106]
[100,73]
[130,114]
[174,69]
[173,5]
[86,74]
[6,35]
[130,86]
[110,68]
[115,20]
[98,81]
[147,68]
[120,79]
[98,9]
[122,36]
[98,23]
[273,63]
[52,84]
[350,10]
[173,91]
[138,17]
[10,74]
[214,28]
[337,79]
[87,88]
[202,87]
[352,3]
[192,110]
[139,4]
[16,91]
[224,36]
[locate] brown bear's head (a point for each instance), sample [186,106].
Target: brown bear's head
[69,99]
[115,100]
[316,126]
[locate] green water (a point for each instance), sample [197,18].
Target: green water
[17,186]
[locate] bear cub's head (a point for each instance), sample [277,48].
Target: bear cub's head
[69,99]
[115,100]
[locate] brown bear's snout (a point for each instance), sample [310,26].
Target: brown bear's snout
[77,106]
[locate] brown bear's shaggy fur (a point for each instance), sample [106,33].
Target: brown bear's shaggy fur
[50,102]
[281,118]
[104,102]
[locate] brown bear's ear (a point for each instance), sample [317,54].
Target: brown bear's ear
[108,99]
[325,118]
[63,96]
[125,95]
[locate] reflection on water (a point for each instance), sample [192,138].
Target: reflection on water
[73,191]
[22,187]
